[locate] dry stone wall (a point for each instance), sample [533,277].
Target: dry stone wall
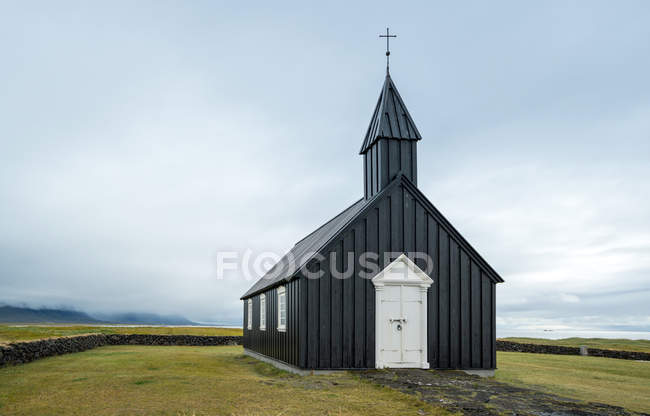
[556,349]
[24,352]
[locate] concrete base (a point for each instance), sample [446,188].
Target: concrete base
[308,372]
[288,367]
[480,373]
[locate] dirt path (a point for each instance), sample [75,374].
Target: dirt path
[473,395]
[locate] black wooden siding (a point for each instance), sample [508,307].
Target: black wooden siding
[331,322]
[385,159]
[340,330]
[284,346]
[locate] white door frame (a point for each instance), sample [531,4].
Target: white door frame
[414,277]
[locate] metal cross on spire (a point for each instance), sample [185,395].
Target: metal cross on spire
[387,36]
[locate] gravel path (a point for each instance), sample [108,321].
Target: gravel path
[473,395]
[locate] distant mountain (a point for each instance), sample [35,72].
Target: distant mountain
[133,318]
[13,314]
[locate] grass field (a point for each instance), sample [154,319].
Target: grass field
[208,380]
[641,345]
[623,383]
[135,380]
[12,333]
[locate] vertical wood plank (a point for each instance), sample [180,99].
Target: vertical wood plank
[432,301]
[294,327]
[375,173]
[420,231]
[288,343]
[383,233]
[383,163]
[465,341]
[296,333]
[405,154]
[373,231]
[359,297]
[454,305]
[394,158]
[372,159]
[475,314]
[313,323]
[443,300]
[348,303]
[486,314]
[396,221]
[337,310]
[414,162]
[409,224]
[421,247]
[303,334]
[325,319]
[493,337]
[367,175]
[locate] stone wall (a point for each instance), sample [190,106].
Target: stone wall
[536,348]
[24,352]
[625,355]
[556,349]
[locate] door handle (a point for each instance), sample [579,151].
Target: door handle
[402,320]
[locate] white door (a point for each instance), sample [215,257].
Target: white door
[402,326]
[401,307]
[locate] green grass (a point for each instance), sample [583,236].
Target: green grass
[13,333]
[143,380]
[641,345]
[617,382]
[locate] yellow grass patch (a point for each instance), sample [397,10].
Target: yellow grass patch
[612,381]
[13,333]
[128,380]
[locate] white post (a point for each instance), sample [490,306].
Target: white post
[423,330]
[379,289]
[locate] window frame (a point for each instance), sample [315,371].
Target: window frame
[282,293]
[262,312]
[249,323]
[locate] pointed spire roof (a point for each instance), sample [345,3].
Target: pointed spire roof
[391,119]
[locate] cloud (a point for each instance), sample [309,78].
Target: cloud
[137,144]
[566,298]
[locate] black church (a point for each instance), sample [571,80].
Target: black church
[388,282]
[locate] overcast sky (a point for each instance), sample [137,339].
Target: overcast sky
[138,139]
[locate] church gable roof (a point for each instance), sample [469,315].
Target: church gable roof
[411,188]
[305,249]
[391,119]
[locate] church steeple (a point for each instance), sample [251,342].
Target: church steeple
[390,145]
